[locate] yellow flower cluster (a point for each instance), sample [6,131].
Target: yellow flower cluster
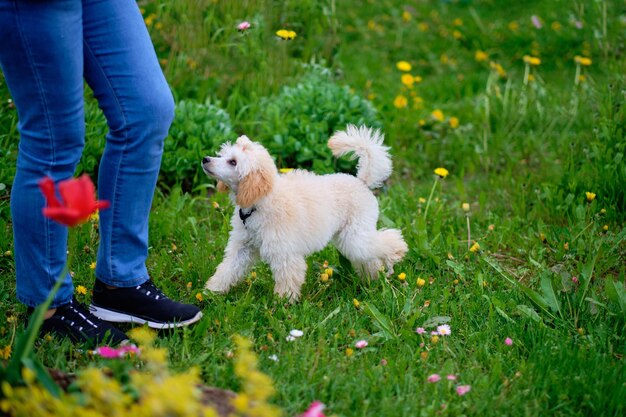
[532,60]
[285,34]
[155,392]
[257,387]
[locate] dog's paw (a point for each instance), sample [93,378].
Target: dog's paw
[216,286]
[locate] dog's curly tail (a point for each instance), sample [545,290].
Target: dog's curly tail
[374,164]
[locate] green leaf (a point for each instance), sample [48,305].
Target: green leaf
[529,312]
[380,321]
[43,377]
[549,295]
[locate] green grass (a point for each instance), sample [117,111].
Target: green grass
[523,157]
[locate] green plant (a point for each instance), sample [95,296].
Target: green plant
[198,130]
[299,120]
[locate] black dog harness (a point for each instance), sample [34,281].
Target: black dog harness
[244,216]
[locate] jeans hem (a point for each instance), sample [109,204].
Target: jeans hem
[123,284]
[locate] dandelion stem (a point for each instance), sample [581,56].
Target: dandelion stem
[526,73]
[577,76]
[469,235]
[430,197]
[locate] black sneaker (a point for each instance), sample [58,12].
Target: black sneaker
[144,303]
[74,321]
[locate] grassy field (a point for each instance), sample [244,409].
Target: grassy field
[521,249]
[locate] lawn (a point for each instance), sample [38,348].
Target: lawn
[520,249]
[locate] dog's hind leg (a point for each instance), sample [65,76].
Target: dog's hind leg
[289,275]
[370,250]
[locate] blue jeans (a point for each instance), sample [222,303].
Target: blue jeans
[47,48]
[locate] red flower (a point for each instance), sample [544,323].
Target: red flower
[78,195]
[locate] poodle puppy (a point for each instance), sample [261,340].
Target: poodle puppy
[282,218]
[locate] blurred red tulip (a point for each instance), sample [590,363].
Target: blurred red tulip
[78,200]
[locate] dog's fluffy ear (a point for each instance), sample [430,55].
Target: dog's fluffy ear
[243,140]
[253,186]
[221,187]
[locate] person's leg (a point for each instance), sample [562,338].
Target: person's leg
[122,68]
[41,58]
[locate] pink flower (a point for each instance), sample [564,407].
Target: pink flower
[463,389]
[116,353]
[451,377]
[508,341]
[314,410]
[420,330]
[575,280]
[360,344]
[434,378]
[536,21]
[243,26]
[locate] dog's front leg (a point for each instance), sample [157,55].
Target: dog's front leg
[238,259]
[289,274]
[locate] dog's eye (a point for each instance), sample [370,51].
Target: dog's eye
[232,162]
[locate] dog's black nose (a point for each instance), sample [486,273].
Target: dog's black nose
[206,160]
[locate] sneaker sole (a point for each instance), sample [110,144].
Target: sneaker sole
[115,317]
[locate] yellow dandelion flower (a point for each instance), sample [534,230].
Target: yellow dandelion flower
[189,284]
[421,282]
[481,56]
[456,34]
[457,22]
[441,172]
[421,200]
[8,253]
[5,352]
[423,27]
[285,34]
[324,277]
[603,211]
[403,66]
[400,102]
[422,122]
[199,297]
[329,271]
[424,355]
[402,276]
[566,246]
[92,265]
[444,59]
[253,274]
[438,115]
[80,289]
[584,61]
[406,16]
[513,26]
[417,79]
[454,122]
[356,303]
[465,207]
[408,80]
[215,204]
[590,196]
[349,352]
[475,247]
[285,170]
[497,68]
[532,60]
[434,339]
[605,227]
